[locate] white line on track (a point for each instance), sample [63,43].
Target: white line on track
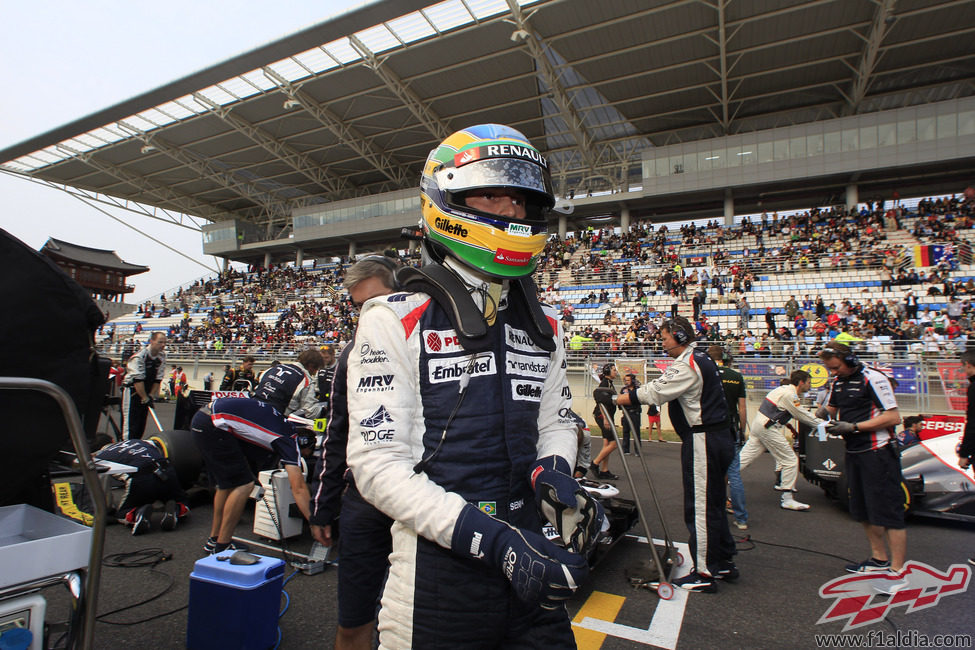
[667,617]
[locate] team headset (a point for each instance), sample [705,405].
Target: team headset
[850,359]
[680,329]
[389,263]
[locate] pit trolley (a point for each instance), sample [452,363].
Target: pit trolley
[672,558]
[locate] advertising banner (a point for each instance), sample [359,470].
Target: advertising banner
[936,426]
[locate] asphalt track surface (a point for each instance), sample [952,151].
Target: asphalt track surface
[784,558]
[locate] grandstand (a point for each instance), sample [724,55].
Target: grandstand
[612,288]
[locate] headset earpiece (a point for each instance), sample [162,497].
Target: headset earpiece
[389,263]
[681,330]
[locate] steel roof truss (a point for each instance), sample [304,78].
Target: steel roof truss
[882,18]
[420,110]
[346,134]
[284,152]
[536,48]
[205,167]
[182,202]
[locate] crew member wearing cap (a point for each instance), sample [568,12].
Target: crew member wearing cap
[695,398]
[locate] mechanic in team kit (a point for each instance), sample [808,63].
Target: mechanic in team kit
[475,437]
[154,479]
[241,378]
[238,434]
[634,411]
[863,401]
[604,395]
[695,399]
[144,375]
[289,387]
[966,448]
[324,378]
[364,544]
[769,432]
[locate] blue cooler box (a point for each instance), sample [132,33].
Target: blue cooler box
[234,605]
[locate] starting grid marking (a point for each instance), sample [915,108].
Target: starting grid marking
[594,621]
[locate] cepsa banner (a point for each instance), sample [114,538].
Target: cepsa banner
[936,426]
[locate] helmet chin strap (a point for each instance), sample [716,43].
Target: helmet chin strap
[491,301]
[488,288]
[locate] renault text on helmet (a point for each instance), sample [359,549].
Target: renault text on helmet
[486,156]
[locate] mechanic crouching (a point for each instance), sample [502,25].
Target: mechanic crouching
[154,479]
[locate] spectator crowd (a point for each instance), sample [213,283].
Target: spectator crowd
[271,309]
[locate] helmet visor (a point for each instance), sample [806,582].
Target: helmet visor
[498,172]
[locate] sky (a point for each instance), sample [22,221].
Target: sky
[72,59]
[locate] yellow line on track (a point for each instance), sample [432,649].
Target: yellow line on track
[599,605]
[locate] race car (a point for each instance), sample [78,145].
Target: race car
[934,485]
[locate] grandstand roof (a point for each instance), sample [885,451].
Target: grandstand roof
[352,106]
[90,256]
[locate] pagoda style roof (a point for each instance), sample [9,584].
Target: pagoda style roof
[90,256]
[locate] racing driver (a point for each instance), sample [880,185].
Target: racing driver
[473,441]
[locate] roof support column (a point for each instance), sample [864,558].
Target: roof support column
[267,260]
[351,250]
[852,196]
[624,218]
[300,257]
[563,221]
[729,208]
